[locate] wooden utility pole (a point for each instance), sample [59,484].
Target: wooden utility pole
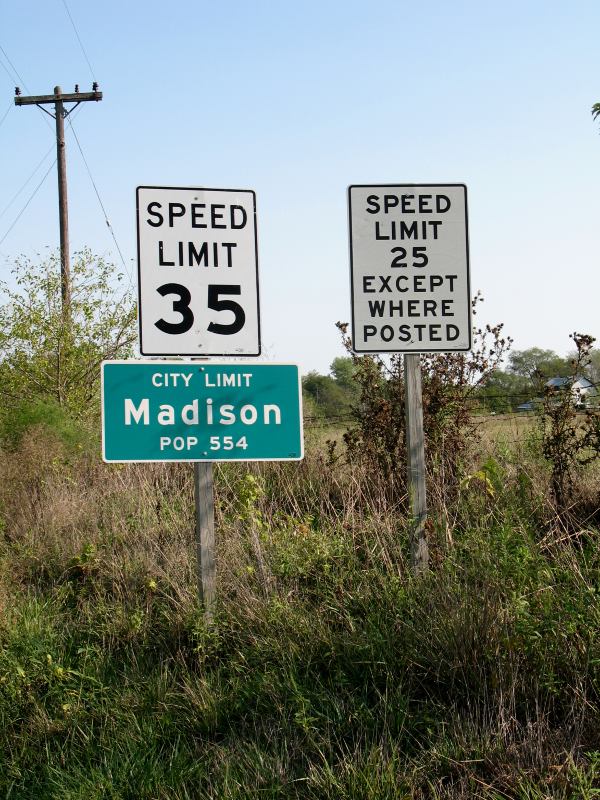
[58,99]
[415,445]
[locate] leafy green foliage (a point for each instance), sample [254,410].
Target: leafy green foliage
[20,418]
[503,391]
[330,398]
[329,672]
[568,439]
[344,371]
[350,680]
[450,384]
[47,356]
[592,371]
[538,366]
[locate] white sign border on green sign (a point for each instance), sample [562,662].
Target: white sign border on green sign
[197,363]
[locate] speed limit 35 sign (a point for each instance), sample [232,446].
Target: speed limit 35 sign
[197,272]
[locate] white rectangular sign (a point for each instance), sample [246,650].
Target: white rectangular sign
[409,260]
[197,272]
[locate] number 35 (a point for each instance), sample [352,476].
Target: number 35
[215,303]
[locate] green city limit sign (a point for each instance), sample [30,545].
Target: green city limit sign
[194,411]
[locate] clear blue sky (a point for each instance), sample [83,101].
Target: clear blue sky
[299,100]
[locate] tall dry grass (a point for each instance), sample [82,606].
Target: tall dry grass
[329,671]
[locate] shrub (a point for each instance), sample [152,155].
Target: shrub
[449,384]
[569,439]
[45,355]
[44,412]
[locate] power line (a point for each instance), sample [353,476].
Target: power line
[16,78]
[4,67]
[35,191]
[14,197]
[12,66]
[100,201]
[10,105]
[79,40]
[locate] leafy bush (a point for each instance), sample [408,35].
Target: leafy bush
[48,355]
[330,399]
[346,679]
[449,385]
[47,413]
[569,440]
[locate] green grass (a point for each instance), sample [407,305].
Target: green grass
[341,677]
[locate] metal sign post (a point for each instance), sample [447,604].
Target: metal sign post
[415,447]
[205,536]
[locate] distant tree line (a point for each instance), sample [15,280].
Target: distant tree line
[331,396]
[334,395]
[527,374]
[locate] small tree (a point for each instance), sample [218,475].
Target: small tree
[330,399]
[343,370]
[450,384]
[43,356]
[592,371]
[504,391]
[538,365]
[569,440]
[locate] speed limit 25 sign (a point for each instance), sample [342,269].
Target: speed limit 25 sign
[197,272]
[409,268]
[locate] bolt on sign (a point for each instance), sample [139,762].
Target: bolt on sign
[187,411]
[197,272]
[409,258]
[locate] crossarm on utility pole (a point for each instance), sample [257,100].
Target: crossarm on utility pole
[45,99]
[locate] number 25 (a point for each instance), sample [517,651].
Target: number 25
[420,258]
